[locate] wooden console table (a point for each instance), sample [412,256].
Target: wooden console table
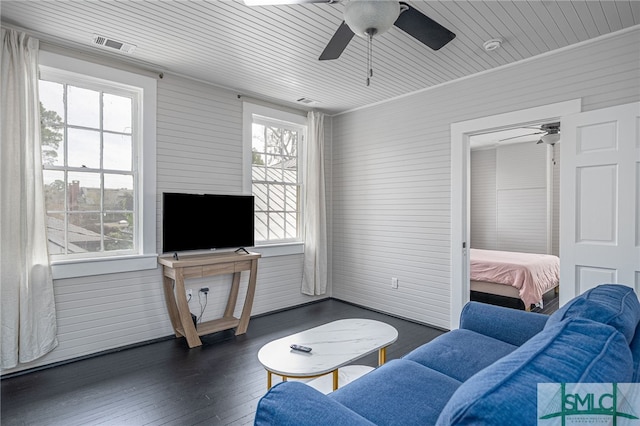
[197,266]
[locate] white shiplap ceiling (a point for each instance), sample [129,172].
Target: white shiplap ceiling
[271,52]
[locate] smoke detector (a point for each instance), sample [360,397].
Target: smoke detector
[113,44]
[492,44]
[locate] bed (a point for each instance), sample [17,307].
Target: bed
[527,276]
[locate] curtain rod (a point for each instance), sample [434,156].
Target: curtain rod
[79,51]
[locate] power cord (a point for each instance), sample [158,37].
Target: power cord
[204,290]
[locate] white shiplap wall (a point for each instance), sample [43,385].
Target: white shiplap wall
[389,183]
[482,186]
[199,149]
[517,179]
[392,165]
[521,190]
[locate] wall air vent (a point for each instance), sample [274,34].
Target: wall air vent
[113,44]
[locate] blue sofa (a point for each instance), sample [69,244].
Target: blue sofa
[485,372]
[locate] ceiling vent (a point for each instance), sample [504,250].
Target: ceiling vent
[113,44]
[307,101]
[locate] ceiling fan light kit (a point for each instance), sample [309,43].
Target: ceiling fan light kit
[369,18]
[550,138]
[550,133]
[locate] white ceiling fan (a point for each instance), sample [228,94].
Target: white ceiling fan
[372,18]
[550,133]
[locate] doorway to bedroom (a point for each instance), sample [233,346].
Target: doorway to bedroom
[514,181]
[461,134]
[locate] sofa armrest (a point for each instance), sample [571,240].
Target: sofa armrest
[506,324]
[294,403]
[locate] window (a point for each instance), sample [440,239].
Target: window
[88,141]
[276,146]
[98,153]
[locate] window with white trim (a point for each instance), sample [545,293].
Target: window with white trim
[98,151]
[89,136]
[277,142]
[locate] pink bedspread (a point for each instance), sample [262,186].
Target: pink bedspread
[532,274]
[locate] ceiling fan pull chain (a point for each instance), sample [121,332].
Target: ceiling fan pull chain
[371,55]
[369,58]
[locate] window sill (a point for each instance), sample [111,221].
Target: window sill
[281,249]
[87,267]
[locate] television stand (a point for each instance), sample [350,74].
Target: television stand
[175,271]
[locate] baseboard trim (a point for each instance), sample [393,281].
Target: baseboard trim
[378,311]
[88,356]
[133,345]
[172,336]
[288,308]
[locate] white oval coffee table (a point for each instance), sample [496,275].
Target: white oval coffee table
[334,345]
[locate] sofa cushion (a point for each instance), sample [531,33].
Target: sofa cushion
[509,325]
[572,351]
[400,392]
[612,304]
[450,353]
[295,403]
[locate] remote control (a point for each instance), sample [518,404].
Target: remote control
[300,348]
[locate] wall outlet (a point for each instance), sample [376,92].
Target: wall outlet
[189,293]
[394,283]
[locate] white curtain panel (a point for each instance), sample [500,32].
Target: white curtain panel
[27,310]
[314,276]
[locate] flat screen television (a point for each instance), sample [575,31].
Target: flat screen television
[206,221]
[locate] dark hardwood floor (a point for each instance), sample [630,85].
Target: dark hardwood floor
[165,383]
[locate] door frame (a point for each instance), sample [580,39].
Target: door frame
[460,155]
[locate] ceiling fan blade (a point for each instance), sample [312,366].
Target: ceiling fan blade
[423,28]
[338,43]
[521,136]
[549,126]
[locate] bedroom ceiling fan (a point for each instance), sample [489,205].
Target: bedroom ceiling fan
[550,133]
[371,18]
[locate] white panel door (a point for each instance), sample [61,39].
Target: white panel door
[599,197]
